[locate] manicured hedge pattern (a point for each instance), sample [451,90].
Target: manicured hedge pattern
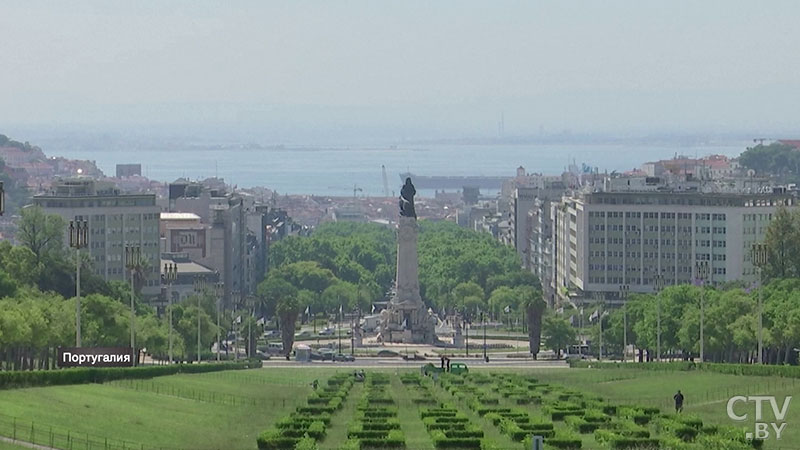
[308,422]
[561,415]
[376,425]
[81,375]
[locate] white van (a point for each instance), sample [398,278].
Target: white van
[275,348]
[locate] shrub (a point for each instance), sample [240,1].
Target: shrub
[82,375]
[581,425]
[306,443]
[394,439]
[351,444]
[274,440]
[440,440]
[634,443]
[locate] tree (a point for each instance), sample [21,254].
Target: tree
[8,287]
[463,291]
[340,294]
[271,290]
[534,306]
[42,233]
[559,334]
[19,263]
[774,159]
[782,245]
[502,297]
[287,310]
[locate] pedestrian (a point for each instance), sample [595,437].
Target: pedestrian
[678,401]
[314,384]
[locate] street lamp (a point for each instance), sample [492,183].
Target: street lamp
[702,272]
[623,295]
[133,262]
[78,238]
[236,298]
[170,275]
[599,298]
[483,319]
[219,289]
[466,332]
[199,290]
[249,301]
[658,286]
[759,256]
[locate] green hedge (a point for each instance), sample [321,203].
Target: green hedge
[440,440]
[274,440]
[81,375]
[730,369]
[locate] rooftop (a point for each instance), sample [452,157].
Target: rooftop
[179,216]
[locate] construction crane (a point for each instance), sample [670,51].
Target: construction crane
[356,189]
[385,182]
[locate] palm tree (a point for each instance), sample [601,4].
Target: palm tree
[287,310]
[534,305]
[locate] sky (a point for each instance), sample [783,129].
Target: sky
[402,69]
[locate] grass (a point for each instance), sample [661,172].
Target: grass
[156,420]
[706,393]
[337,433]
[195,411]
[408,414]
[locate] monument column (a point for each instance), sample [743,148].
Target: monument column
[407,282]
[406,319]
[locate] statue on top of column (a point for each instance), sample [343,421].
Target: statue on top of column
[407,200]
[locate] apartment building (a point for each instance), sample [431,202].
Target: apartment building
[115,220]
[605,240]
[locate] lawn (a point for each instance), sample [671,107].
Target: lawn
[145,418]
[706,393]
[228,410]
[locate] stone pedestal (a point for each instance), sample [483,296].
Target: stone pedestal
[358,338]
[458,338]
[406,319]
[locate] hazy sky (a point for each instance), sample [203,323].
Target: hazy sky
[415,66]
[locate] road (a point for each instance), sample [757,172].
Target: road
[373,363]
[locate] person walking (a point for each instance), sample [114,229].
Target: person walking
[678,401]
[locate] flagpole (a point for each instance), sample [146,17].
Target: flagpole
[339,325]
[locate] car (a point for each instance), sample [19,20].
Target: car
[302,334]
[344,358]
[457,368]
[262,356]
[272,334]
[326,332]
[275,348]
[316,356]
[327,354]
[414,357]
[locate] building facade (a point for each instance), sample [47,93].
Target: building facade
[605,240]
[115,220]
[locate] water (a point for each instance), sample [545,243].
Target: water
[335,171]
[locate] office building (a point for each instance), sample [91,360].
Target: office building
[115,220]
[604,240]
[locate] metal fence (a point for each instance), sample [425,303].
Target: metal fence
[62,438]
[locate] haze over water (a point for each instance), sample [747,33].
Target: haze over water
[334,171]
